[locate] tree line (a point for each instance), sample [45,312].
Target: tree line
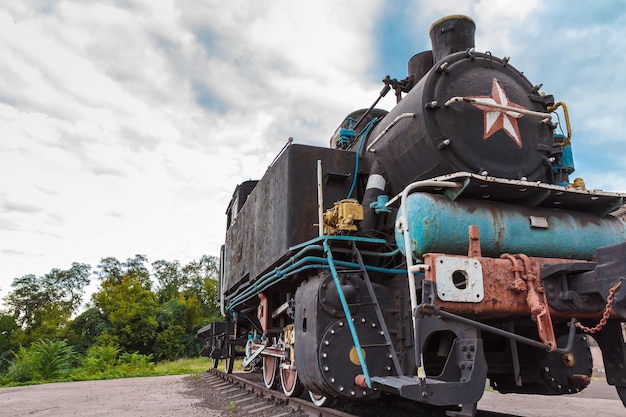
[154,313]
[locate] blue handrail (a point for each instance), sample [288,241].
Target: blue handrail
[299,262]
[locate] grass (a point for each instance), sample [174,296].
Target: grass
[183,366]
[187,366]
[222,365]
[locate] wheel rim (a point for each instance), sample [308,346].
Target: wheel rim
[321,400]
[269,372]
[292,387]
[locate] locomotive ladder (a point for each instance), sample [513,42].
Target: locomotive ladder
[362,271]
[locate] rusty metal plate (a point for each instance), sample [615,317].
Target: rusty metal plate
[459,279]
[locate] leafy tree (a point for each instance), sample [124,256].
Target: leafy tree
[178,321]
[8,331]
[69,284]
[27,297]
[126,300]
[112,270]
[7,327]
[170,279]
[43,305]
[211,304]
[203,277]
[197,278]
[126,311]
[87,327]
[188,298]
[169,343]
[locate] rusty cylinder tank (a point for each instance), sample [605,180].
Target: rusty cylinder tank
[439,139]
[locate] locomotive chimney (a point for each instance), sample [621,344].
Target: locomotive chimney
[419,65]
[451,34]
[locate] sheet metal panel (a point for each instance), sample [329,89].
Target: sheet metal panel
[281,211]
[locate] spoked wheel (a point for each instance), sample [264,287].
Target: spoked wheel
[270,378]
[321,400]
[292,387]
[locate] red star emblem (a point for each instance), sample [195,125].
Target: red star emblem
[499,119]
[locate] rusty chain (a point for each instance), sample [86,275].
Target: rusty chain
[605,315]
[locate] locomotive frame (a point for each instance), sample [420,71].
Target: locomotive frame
[428,249]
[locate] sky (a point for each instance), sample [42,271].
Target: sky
[126,125]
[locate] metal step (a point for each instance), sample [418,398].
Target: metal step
[362,272]
[379,313]
[430,390]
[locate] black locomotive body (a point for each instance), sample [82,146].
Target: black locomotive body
[428,249]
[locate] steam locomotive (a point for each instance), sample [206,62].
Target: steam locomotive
[429,249]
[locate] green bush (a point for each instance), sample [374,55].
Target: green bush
[45,360]
[99,360]
[135,363]
[22,369]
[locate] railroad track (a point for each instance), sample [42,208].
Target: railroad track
[251,398]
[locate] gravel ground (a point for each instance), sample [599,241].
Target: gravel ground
[133,397]
[231,402]
[191,396]
[166,396]
[599,399]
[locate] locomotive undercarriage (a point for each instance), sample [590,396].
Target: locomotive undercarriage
[303,342]
[335,318]
[336,321]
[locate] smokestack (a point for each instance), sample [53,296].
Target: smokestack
[419,65]
[451,34]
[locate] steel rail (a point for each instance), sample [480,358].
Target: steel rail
[297,404]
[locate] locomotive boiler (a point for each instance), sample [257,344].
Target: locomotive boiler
[428,249]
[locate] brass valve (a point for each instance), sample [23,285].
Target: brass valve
[342,217]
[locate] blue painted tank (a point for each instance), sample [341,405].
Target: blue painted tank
[438,224]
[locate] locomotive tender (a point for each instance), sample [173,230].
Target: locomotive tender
[429,248]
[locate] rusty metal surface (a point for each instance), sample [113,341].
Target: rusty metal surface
[505,292]
[262,312]
[537,302]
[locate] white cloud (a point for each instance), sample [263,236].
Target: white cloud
[125,125]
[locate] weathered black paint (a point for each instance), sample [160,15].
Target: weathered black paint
[281,211]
